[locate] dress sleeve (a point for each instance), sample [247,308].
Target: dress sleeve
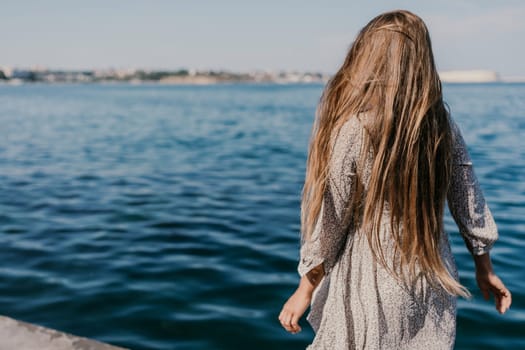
[330,232]
[466,201]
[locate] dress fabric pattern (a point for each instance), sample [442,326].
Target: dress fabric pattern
[358,304]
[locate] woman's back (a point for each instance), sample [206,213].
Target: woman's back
[364,303]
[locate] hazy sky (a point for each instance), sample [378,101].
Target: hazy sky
[243,34]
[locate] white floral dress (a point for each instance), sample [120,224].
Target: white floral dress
[358,304]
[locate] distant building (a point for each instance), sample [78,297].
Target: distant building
[7,71]
[469,76]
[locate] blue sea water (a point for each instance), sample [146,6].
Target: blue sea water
[167,217]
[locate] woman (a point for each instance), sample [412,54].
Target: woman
[375,264]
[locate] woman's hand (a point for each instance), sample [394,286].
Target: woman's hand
[489,283]
[294,309]
[297,304]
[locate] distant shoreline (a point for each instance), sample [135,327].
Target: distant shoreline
[218,83]
[178,77]
[156,83]
[17,76]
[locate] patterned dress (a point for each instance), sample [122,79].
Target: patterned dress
[358,304]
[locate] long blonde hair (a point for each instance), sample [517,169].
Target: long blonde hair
[390,72]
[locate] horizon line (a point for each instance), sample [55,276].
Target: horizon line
[37,67]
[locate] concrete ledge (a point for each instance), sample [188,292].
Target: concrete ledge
[16,334]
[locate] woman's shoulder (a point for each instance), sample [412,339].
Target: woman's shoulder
[353,127]
[349,136]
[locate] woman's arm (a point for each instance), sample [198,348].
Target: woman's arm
[297,304]
[475,222]
[466,200]
[489,283]
[332,226]
[320,253]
